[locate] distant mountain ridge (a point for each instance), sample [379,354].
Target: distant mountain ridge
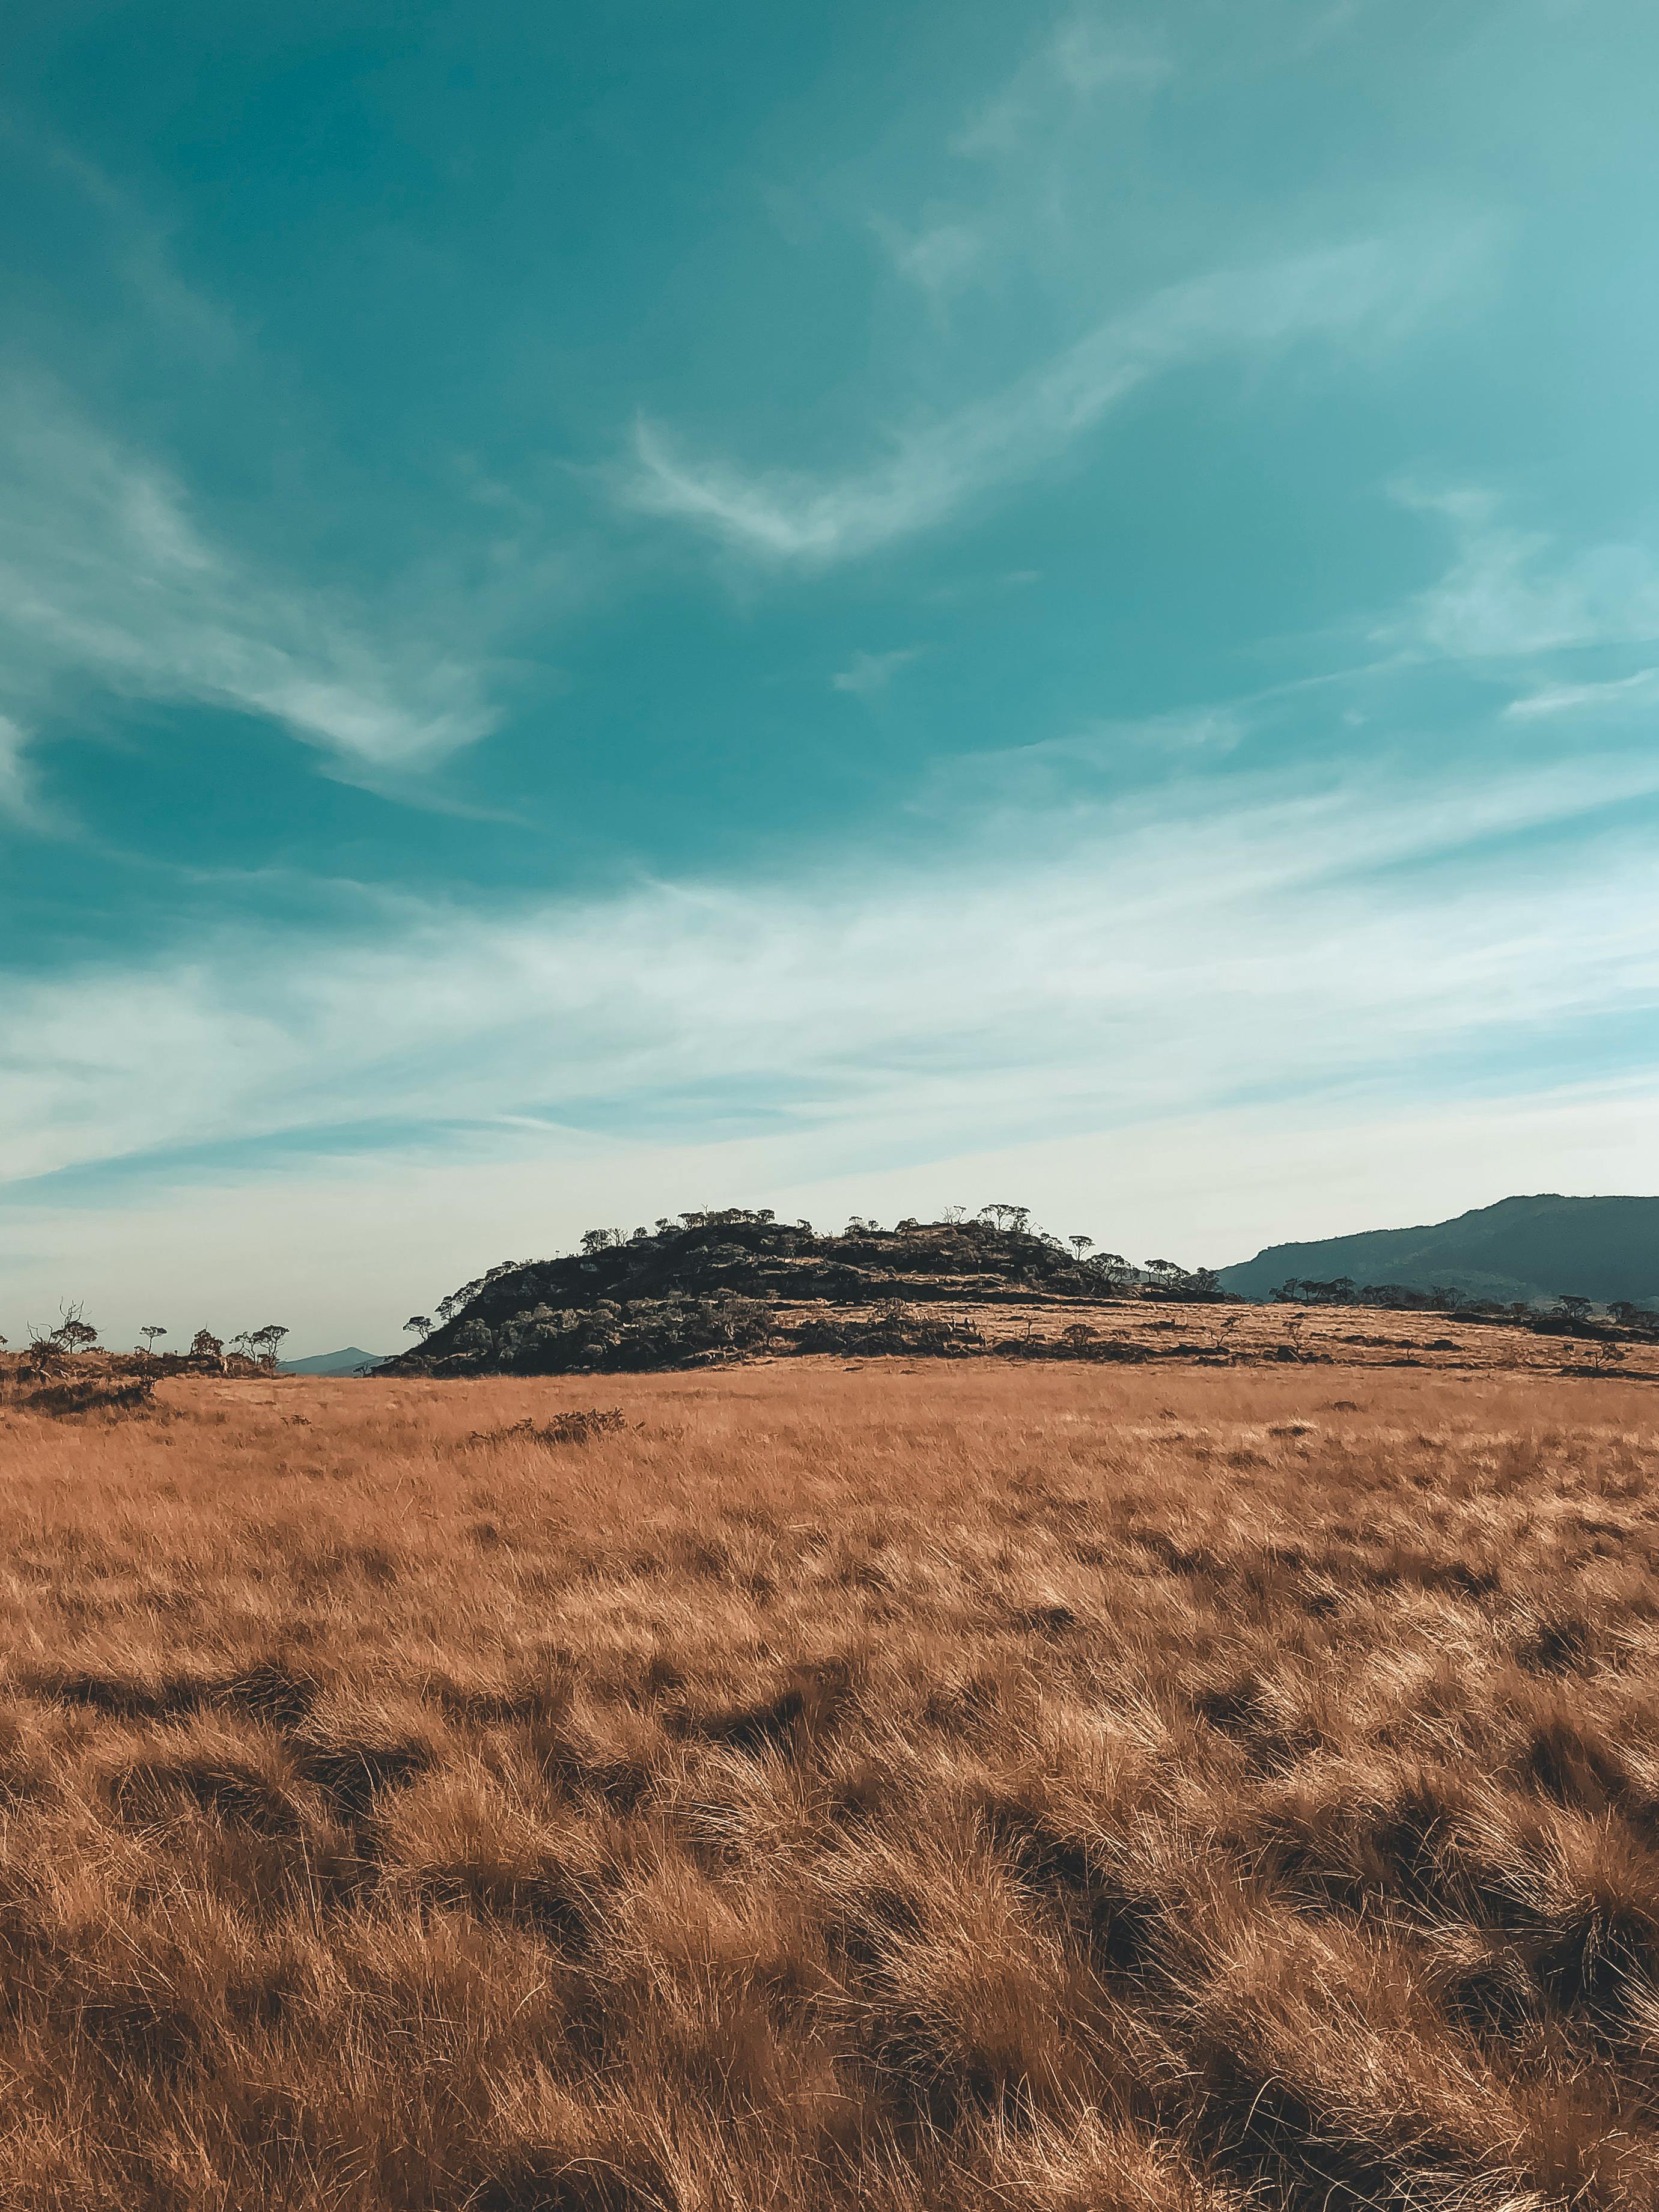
[332,1362]
[1535,1249]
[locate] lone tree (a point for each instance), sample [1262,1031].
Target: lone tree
[419,1324]
[74,1333]
[149,1332]
[205,1345]
[1081,1244]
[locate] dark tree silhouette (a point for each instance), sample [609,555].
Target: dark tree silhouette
[1011,1220]
[74,1333]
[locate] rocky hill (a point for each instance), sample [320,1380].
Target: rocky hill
[709,1284]
[1606,1249]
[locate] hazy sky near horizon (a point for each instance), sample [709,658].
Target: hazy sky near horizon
[611,609]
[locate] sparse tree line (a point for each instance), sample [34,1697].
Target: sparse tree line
[72,1334]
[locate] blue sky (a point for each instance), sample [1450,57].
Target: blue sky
[608,610]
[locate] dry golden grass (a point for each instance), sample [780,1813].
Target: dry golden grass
[1046,1788]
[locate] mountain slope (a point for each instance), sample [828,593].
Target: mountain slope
[1539,1248]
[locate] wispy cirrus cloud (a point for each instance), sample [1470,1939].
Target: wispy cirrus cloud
[1083,56]
[1613,694]
[134,247]
[108,580]
[1026,182]
[940,257]
[1510,593]
[867,673]
[1374,288]
[17,797]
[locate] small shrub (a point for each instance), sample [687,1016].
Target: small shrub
[579,1426]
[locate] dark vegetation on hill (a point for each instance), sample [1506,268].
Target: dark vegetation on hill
[1604,1251]
[711,1284]
[715,1285]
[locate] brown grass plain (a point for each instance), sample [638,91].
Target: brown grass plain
[959,1785]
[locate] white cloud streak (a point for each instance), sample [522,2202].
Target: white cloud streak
[1374,288]
[105,578]
[1097,966]
[1612,696]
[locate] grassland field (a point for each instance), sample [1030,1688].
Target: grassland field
[925,1786]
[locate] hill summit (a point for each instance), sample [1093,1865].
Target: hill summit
[707,1285]
[1531,1249]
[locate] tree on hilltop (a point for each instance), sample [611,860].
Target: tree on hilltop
[1010,1219]
[74,1333]
[260,1344]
